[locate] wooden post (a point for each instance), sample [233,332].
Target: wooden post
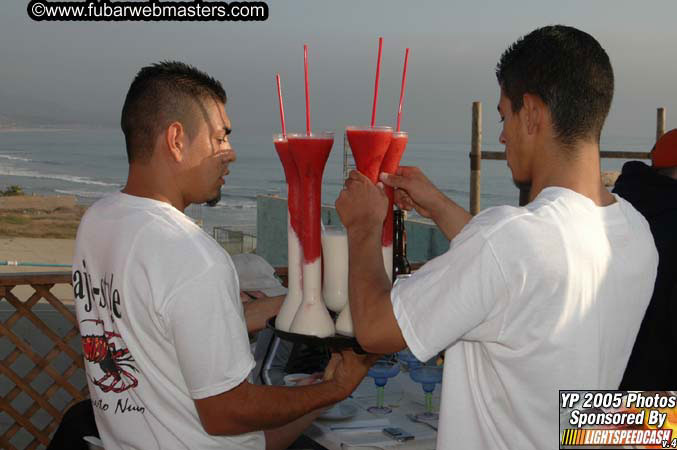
[660,123]
[475,157]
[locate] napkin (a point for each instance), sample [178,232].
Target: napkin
[255,274]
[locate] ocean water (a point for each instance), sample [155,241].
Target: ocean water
[91,163]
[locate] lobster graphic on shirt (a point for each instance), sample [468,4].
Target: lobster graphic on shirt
[114,362]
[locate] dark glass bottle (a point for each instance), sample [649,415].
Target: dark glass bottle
[400,263]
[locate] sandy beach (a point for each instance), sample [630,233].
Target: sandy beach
[36,229]
[37,250]
[53,251]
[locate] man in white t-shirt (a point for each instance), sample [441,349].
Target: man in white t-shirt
[527,300]
[157,300]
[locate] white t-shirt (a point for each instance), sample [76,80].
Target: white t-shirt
[528,301]
[161,320]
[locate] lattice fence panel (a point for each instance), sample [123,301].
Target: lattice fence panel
[41,368]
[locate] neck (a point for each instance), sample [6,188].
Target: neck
[144,181]
[577,169]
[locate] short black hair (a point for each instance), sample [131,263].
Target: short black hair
[160,94]
[569,70]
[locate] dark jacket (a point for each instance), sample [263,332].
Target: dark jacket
[652,364]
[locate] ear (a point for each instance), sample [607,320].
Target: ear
[175,137]
[533,112]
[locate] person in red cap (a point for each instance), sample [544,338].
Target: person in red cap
[653,192]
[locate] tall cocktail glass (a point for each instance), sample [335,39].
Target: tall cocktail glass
[310,153]
[294,253]
[369,145]
[335,268]
[390,163]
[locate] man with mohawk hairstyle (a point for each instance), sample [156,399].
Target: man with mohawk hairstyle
[166,346]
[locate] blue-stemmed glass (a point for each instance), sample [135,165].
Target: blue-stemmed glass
[380,372]
[428,377]
[408,359]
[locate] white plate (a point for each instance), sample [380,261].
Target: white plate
[292,379]
[340,411]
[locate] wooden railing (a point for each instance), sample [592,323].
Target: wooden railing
[42,374]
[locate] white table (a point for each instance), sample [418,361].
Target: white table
[402,395]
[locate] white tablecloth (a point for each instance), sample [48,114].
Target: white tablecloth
[402,395]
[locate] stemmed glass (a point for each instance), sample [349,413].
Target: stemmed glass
[407,358]
[380,372]
[428,377]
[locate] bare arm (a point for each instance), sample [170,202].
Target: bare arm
[257,312]
[415,190]
[376,327]
[362,208]
[451,218]
[250,407]
[282,437]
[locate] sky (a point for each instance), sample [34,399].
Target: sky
[78,72]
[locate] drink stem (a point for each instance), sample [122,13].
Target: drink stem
[379,396]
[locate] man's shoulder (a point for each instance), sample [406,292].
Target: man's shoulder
[492,220]
[515,231]
[175,252]
[501,230]
[159,231]
[99,206]
[120,206]
[178,237]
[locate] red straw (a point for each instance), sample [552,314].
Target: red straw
[378,74]
[404,84]
[279,97]
[305,64]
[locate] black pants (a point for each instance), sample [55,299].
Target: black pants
[76,423]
